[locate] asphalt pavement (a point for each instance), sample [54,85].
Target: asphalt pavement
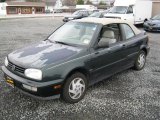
[129,95]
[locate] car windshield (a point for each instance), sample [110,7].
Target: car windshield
[74,33]
[76,13]
[96,14]
[157,17]
[119,9]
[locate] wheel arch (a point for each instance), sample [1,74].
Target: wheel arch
[145,50]
[82,70]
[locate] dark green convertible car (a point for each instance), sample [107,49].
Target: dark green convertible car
[78,54]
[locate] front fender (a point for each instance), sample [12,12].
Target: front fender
[60,71]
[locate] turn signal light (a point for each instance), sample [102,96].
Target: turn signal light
[57,86]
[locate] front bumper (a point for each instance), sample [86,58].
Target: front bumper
[45,90]
[151,28]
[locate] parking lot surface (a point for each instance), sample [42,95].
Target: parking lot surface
[126,95]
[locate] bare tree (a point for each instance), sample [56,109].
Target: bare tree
[88,2]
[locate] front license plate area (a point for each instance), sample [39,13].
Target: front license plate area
[9,81]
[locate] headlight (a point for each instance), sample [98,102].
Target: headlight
[6,61]
[33,73]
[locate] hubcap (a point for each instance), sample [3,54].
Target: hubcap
[76,88]
[141,60]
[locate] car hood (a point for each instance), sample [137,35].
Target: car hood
[42,54]
[110,15]
[154,21]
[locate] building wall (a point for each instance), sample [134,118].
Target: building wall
[25,10]
[39,10]
[3,8]
[12,10]
[51,8]
[156,8]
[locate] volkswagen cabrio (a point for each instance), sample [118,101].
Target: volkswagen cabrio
[75,56]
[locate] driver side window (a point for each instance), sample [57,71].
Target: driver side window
[85,14]
[130,10]
[110,35]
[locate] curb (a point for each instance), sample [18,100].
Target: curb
[22,17]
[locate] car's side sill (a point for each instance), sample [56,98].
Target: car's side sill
[110,75]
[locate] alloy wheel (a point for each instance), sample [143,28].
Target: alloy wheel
[141,60]
[76,88]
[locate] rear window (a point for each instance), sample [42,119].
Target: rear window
[128,31]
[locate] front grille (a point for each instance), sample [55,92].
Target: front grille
[15,68]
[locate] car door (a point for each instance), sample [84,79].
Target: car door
[85,14]
[108,60]
[80,15]
[131,43]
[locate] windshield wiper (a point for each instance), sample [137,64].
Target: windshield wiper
[60,42]
[118,12]
[48,40]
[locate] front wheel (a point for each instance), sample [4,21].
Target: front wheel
[75,87]
[140,61]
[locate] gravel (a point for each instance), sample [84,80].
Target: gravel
[126,95]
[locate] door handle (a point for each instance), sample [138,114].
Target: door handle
[123,45]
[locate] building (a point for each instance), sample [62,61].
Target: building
[53,4]
[50,5]
[21,7]
[155,7]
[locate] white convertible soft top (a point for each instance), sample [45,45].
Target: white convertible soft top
[106,21]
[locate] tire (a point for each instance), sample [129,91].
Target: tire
[140,61]
[145,20]
[74,94]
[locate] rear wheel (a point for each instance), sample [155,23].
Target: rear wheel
[75,88]
[140,61]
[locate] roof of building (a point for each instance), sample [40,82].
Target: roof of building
[106,21]
[36,4]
